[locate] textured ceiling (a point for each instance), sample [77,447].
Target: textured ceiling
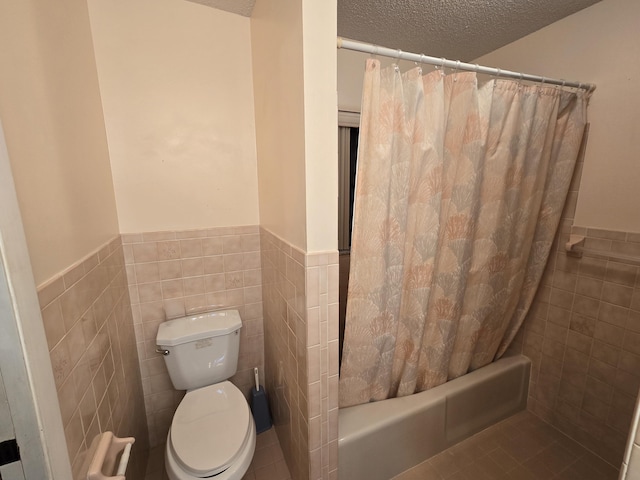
[241,7]
[455,29]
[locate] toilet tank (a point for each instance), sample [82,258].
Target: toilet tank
[202,349]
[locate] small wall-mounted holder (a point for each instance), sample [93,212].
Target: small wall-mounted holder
[103,460]
[575,246]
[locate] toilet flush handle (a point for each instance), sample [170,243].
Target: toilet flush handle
[162,351]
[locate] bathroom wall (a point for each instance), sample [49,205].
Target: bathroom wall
[278,84]
[582,332]
[176,85]
[89,329]
[321,124]
[24,355]
[597,45]
[174,273]
[301,354]
[54,128]
[293,47]
[583,336]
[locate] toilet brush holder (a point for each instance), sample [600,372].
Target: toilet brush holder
[260,406]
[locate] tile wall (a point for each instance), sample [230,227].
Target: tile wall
[89,328]
[583,335]
[322,301]
[300,294]
[174,273]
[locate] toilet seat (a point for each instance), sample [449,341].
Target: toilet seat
[210,429]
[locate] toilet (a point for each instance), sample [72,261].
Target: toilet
[212,433]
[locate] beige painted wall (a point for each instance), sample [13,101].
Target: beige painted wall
[176,86]
[277,48]
[321,123]
[296,120]
[351,74]
[599,45]
[52,116]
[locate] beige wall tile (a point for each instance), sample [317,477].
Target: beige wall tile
[80,328]
[199,233]
[53,323]
[167,250]
[297,311]
[191,248]
[51,290]
[156,236]
[150,292]
[167,270]
[145,252]
[211,246]
[598,356]
[172,289]
[147,272]
[193,267]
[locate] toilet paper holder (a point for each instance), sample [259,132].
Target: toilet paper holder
[108,446]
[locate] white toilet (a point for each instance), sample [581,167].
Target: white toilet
[212,433]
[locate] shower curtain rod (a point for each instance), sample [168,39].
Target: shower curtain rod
[457,65]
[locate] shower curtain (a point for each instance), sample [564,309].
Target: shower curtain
[459,194]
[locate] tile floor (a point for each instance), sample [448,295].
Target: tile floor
[268,462]
[522,447]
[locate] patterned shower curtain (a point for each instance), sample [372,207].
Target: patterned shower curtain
[459,194]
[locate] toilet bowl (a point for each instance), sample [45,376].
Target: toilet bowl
[212,435]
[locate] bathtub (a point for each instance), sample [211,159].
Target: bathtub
[382,439]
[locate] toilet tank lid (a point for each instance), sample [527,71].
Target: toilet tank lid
[197,327]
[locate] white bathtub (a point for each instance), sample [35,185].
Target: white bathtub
[381,439]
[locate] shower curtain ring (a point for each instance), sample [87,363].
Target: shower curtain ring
[441,66]
[455,73]
[419,63]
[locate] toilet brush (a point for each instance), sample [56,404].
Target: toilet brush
[260,406]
